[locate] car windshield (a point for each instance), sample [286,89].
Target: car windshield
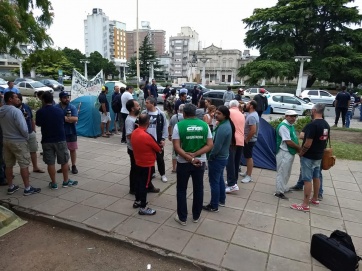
[2,82]
[37,84]
[201,86]
[301,100]
[53,82]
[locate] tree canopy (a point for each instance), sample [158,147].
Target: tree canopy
[97,62]
[19,25]
[74,56]
[147,55]
[322,29]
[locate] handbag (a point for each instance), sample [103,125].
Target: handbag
[328,159]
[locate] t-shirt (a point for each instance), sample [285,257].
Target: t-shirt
[145,153]
[194,135]
[14,89]
[28,118]
[69,128]
[175,119]
[126,96]
[318,130]
[342,99]
[153,90]
[102,98]
[177,104]
[200,112]
[145,91]
[183,90]
[228,96]
[238,119]
[51,121]
[351,104]
[152,128]
[130,126]
[252,119]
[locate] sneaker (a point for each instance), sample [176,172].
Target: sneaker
[59,170]
[247,179]
[222,204]
[153,176]
[242,174]
[70,183]
[137,204]
[183,223]
[314,202]
[164,178]
[296,188]
[123,142]
[335,125]
[233,188]
[153,190]
[320,197]
[195,220]
[13,189]
[53,186]
[31,190]
[146,211]
[280,195]
[210,209]
[74,170]
[300,207]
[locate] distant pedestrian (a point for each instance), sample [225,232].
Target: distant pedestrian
[350,111]
[342,102]
[145,156]
[153,91]
[11,87]
[228,96]
[181,100]
[261,102]
[173,121]
[183,90]
[116,109]
[194,96]
[104,112]
[15,145]
[126,96]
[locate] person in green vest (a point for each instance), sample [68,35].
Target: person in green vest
[287,147]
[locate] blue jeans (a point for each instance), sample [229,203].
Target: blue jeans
[300,182]
[184,171]
[217,184]
[348,118]
[232,167]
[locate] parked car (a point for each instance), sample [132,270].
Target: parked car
[317,96]
[216,96]
[251,92]
[31,88]
[281,102]
[190,86]
[3,83]
[18,80]
[56,86]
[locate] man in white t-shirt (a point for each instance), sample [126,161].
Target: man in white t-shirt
[126,96]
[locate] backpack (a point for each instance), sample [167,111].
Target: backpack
[116,106]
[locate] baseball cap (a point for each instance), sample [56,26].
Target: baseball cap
[262,90]
[63,94]
[240,89]
[183,85]
[291,113]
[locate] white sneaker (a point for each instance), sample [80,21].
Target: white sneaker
[242,174]
[247,179]
[164,178]
[233,188]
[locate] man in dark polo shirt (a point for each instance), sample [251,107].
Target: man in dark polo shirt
[342,103]
[153,89]
[104,112]
[51,121]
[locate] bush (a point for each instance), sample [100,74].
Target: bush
[34,103]
[300,123]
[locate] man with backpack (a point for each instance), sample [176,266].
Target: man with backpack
[116,107]
[261,101]
[228,96]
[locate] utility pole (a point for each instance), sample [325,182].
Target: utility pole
[85,61]
[138,53]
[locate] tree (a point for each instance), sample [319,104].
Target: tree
[317,28]
[97,62]
[48,62]
[147,57]
[74,56]
[18,25]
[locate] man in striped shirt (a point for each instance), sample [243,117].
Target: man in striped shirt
[349,110]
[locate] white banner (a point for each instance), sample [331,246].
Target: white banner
[82,86]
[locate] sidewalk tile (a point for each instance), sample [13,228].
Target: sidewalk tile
[350,204]
[318,230]
[356,195]
[165,201]
[251,238]
[170,238]
[137,229]
[293,215]
[225,214]
[235,202]
[291,249]
[242,193]
[161,215]
[352,215]
[348,178]
[191,227]
[322,211]
[325,222]
[277,263]
[100,201]
[113,177]
[28,201]
[77,195]
[105,220]
[78,212]
[257,222]
[243,259]
[261,208]
[199,248]
[265,188]
[95,186]
[263,197]
[246,186]
[116,190]
[330,200]
[53,206]
[354,229]
[122,206]
[329,191]
[216,229]
[346,186]
[292,230]
[319,268]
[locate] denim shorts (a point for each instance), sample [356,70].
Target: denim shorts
[310,169]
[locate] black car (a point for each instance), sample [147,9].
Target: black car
[216,97]
[56,86]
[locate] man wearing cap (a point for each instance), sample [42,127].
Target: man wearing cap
[287,147]
[262,102]
[70,119]
[104,111]
[183,89]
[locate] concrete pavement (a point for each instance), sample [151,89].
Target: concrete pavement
[255,231]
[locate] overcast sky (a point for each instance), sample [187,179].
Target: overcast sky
[217,22]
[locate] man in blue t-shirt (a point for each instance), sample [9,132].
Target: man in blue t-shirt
[70,119]
[11,87]
[51,120]
[32,141]
[153,89]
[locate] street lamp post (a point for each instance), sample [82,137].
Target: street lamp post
[85,61]
[138,50]
[302,59]
[204,59]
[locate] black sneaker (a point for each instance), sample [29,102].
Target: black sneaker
[74,170]
[13,190]
[146,211]
[209,208]
[281,196]
[320,197]
[296,188]
[31,190]
[137,204]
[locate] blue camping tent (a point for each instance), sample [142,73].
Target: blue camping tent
[265,147]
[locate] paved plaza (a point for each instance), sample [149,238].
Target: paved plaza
[255,231]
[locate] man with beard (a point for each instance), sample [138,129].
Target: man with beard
[70,119]
[134,108]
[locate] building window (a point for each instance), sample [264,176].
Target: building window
[178,41]
[178,47]
[177,60]
[177,54]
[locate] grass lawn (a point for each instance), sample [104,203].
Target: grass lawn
[348,151]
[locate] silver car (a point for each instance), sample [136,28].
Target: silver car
[31,88]
[317,96]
